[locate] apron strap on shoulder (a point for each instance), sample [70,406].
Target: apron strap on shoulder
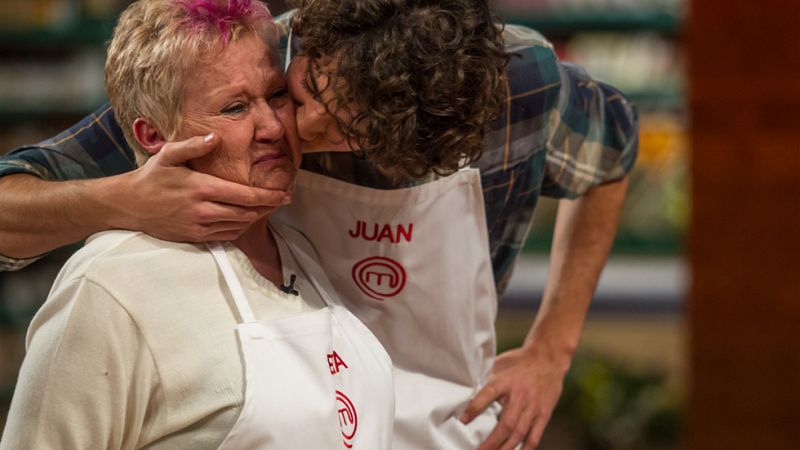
[239,299]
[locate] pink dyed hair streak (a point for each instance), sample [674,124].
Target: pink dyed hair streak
[223,13]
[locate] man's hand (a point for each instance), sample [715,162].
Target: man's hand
[527,383]
[164,198]
[168,200]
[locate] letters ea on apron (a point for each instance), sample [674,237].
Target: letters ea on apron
[315,380]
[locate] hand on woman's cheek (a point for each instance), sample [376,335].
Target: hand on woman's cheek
[218,163]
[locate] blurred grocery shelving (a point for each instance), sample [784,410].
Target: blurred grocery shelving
[636,46]
[78,32]
[51,65]
[52,55]
[554,17]
[634,336]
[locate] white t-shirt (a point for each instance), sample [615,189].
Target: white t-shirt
[136,347]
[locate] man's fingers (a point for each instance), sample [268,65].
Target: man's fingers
[205,187]
[224,236]
[219,231]
[222,191]
[481,401]
[522,429]
[506,427]
[213,213]
[178,153]
[535,435]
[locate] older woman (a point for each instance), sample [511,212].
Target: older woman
[144,343]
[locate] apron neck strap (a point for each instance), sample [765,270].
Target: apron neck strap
[239,299]
[289,54]
[314,273]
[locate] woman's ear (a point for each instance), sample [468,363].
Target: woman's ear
[148,136]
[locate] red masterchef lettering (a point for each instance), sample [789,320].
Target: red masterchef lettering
[348,419]
[379,232]
[334,362]
[379,277]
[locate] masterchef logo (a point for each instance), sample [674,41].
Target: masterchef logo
[348,420]
[379,277]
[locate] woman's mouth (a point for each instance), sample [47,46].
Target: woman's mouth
[271,159]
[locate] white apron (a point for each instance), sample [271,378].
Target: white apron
[315,380]
[413,264]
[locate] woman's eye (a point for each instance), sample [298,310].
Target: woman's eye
[234,109]
[279,97]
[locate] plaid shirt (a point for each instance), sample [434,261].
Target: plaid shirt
[561,134]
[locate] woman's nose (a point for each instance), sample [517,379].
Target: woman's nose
[268,127]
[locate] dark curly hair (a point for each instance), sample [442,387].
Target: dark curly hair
[424,78]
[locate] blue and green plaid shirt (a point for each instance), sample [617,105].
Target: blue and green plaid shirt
[561,134]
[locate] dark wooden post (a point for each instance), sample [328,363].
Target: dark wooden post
[744,241]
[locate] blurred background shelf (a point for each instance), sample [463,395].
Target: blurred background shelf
[570,22]
[626,243]
[98,31]
[84,32]
[645,285]
[635,333]
[667,98]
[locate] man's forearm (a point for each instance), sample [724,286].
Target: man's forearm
[527,381]
[584,232]
[39,216]
[164,198]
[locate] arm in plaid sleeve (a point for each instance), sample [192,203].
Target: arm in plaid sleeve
[81,182]
[593,135]
[590,146]
[94,147]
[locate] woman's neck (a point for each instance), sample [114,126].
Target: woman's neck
[261,249]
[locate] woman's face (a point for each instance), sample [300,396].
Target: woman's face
[241,96]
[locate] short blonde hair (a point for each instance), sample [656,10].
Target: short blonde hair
[155,45]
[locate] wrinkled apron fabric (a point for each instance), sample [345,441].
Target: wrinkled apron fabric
[413,264]
[315,380]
